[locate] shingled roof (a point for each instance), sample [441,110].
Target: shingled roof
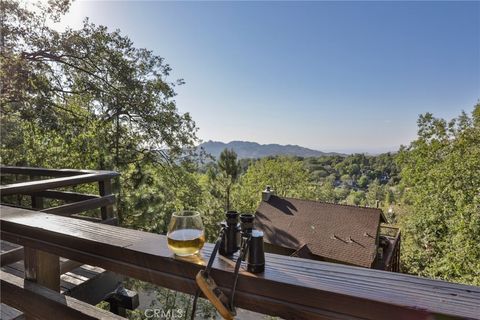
[338,232]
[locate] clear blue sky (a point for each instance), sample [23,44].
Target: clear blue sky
[334,76]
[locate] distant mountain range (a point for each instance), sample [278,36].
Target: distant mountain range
[246,149]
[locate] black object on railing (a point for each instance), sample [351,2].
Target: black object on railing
[121,299]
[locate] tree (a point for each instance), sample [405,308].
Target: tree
[375,193]
[87,98]
[287,177]
[356,198]
[58,81]
[229,169]
[362,182]
[441,177]
[326,191]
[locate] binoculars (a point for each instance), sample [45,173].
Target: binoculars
[243,236]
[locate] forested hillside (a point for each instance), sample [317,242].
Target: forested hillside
[89,99]
[252,150]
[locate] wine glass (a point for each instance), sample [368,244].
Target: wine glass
[186,234]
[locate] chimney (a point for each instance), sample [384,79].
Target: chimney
[266,194]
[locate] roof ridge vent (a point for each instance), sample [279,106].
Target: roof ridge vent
[267,193]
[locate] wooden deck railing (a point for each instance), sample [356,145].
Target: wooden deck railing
[392,260]
[43,182]
[41,185]
[291,288]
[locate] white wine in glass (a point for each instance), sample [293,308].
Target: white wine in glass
[186,234]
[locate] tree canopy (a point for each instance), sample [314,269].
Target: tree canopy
[441,176]
[84,79]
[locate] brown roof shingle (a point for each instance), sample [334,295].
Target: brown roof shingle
[339,232]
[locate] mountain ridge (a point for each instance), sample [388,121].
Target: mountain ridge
[249,149]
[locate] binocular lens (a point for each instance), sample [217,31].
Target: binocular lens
[231,217]
[246,222]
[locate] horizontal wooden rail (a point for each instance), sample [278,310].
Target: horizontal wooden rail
[291,288]
[63,195]
[38,302]
[41,185]
[44,172]
[11,256]
[81,206]
[17,254]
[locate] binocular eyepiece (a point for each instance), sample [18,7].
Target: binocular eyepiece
[246,223]
[231,239]
[233,235]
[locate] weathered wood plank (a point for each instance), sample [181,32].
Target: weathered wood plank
[34,171]
[17,253]
[81,206]
[11,256]
[291,288]
[111,221]
[42,267]
[42,303]
[40,185]
[9,313]
[68,196]
[86,283]
[95,289]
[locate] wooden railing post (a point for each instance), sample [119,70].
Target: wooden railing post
[105,188]
[37,202]
[42,267]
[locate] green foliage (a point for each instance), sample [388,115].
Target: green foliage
[89,99]
[59,80]
[229,170]
[441,176]
[153,192]
[326,191]
[375,193]
[288,177]
[356,198]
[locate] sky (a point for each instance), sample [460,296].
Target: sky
[332,76]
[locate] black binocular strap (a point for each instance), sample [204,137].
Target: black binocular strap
[241,257]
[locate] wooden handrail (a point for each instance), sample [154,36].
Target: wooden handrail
[40,185]
[68,196]
[74,202]
[33,171]
[291,288]
[81,206]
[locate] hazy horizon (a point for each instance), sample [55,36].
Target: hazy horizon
[346,151]
[330,76]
